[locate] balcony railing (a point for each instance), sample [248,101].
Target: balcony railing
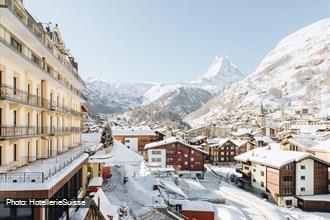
[10,132]
[7,92]
[8,38]
[37,30]
[54,166]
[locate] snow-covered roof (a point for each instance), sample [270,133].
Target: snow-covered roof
[123,155]
[96,181]
[106,208]
[172,140]
[170,186]
[201,206]
[134,131]
[272,157]
[303,142]
[216,142]
[239,142]
[243,131]
[196,139]
[320,197]
[323,146]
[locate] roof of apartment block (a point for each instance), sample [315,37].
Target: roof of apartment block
[303,142]
[133,131]
[172,140]
[323,146]
[196,139]
[274,157]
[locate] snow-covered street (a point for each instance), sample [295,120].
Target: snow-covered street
[254,207]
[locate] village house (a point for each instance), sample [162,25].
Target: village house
[289,178]
[136,138]
[199,140]
[298,144]
[185,158]
[269,131]
[321,150]
[223,150]
[165,131]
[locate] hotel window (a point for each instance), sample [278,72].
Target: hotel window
[37,148]
[16,44]
[28,119]
[192,151]
[127,141]
[302,189]
[186,163]
[254,180]
[185,155]
[302,167]
[14,152]
[262,184]
[15,118]
[0,155]
[35,59]
[262,173]
[302,177]
[192,159]
[14,85]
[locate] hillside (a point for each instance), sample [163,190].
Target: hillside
[294,75]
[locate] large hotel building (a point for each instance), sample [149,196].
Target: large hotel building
[41,104]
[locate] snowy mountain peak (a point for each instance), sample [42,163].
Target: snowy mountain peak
[219,64]
[221,73]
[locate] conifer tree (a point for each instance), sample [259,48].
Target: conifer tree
[106,137]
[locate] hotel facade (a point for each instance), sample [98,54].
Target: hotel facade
[41,97]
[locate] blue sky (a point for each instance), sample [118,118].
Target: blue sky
[172,40]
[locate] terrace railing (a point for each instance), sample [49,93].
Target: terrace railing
[53,166]
[10,132]
[7,92]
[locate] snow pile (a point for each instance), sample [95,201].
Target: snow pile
[106,208]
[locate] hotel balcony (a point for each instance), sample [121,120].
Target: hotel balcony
[41,170]
[12,42]
[16,95]
[13,132]
[18,10]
